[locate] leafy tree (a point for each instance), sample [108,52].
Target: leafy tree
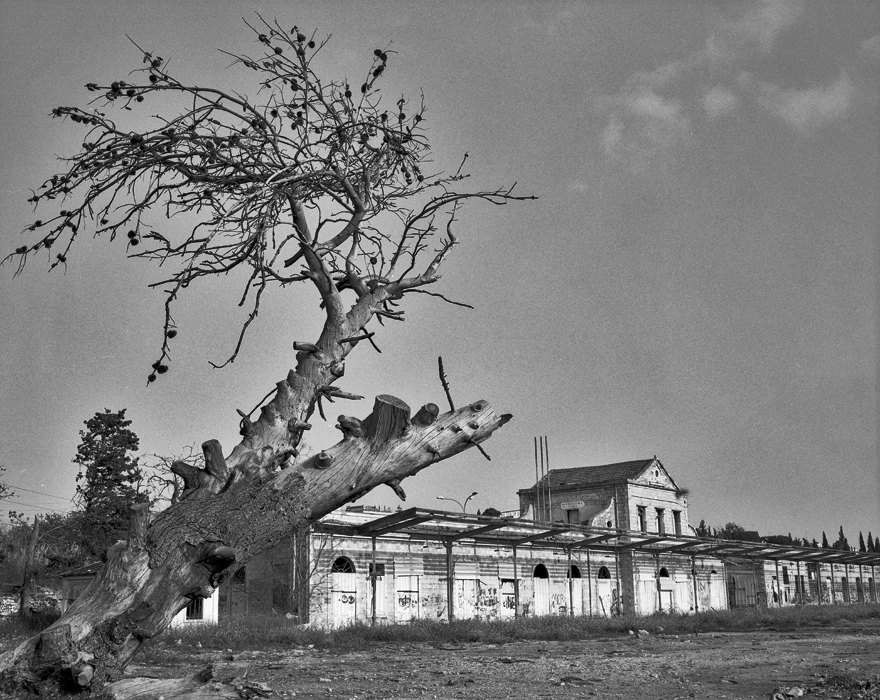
[814,544]
[732,531]
[825,544]
[702,530]
[317,181]
[841,542]
[5,490]
[862,547]
[109,480]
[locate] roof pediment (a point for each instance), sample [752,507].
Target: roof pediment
[639,471]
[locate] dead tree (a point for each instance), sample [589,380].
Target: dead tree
[316,184]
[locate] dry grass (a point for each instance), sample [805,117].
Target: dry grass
[254,633]
[271,632]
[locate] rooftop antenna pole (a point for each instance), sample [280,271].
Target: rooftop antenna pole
[543,478]
[549,494]
[537,482]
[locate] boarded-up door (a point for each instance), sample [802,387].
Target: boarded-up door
[647,596]
[542,596]
[407,598]
[684,596]
[743,589]
[603,596]
[466,591]
[577,595]
[343,599]
[508,598]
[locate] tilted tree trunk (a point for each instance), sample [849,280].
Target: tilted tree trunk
[342,189]
[225,520]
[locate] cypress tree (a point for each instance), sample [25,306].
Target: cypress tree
[108,481]
[825,544]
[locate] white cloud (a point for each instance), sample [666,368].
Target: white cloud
[652,112]
[809,109]
[758,27]
[871,48]
[719,101]
[762,25]
[643,127]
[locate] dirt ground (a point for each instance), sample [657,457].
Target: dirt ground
[839,662]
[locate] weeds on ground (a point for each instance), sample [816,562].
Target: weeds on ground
[255,633]
[273,632]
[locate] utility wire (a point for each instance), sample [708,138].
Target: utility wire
[41,493]
[31,505]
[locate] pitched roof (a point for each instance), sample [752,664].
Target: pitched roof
[589,476]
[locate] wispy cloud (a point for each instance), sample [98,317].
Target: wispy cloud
[809,109]
[719,101]
[653,111]
[643,126]
[759,27]
[870,48]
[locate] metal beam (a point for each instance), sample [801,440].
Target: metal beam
[397,527]
[590,540]
[392,519]
[677,547]
[637,545]
[472,533]
[539,536]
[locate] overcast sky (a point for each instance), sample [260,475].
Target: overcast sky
[698,280]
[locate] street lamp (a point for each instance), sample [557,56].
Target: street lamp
[461,505]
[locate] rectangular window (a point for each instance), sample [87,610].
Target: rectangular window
[380,569]
[643,518]
[196,609]
[676,521]
[571,516]
[661,526]
[785,574]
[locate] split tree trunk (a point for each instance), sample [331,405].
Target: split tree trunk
[227,517]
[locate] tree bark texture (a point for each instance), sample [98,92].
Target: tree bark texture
[229,515]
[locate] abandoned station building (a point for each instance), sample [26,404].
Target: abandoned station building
[598,540]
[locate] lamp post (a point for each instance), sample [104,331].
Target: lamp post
[461,505]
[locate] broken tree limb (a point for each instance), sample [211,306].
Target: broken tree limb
[215,463]
[323,460]
[349,426]
[397,488]
[305,347]
[356,338]
[389,419]
[137,525]
[426,415]
[331,392]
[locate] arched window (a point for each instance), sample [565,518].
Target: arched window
[342,565]
[574,571]
[603,572]
[540,572]
[664,573]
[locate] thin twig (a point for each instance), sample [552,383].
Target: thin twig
[437,294]
[445,383]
